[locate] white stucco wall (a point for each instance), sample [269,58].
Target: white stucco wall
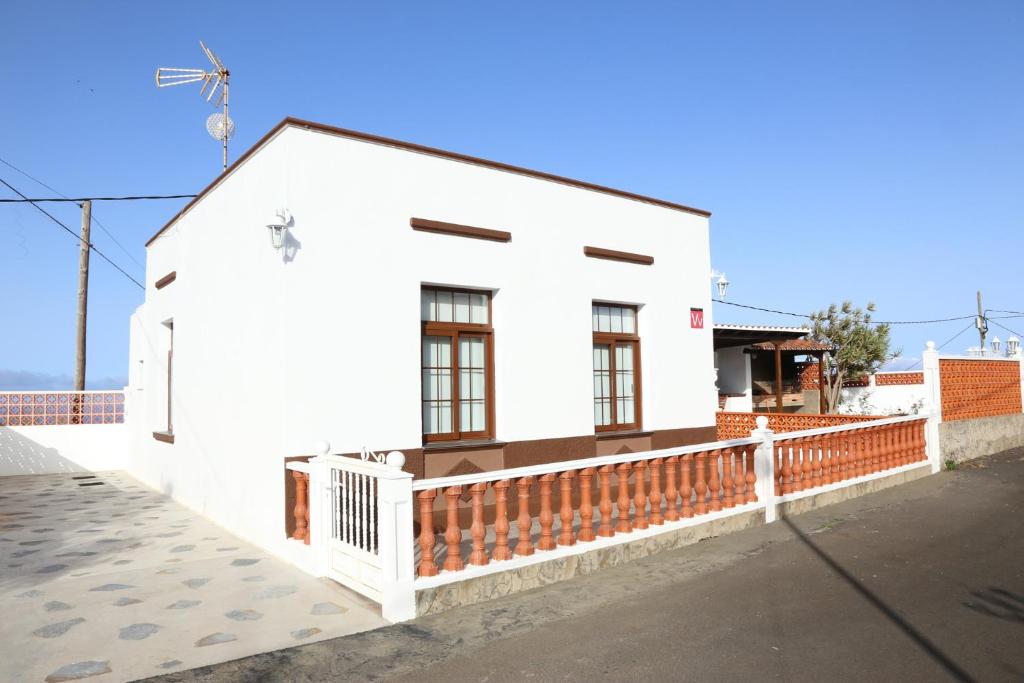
[888,399]
[734,378]
[52,449]
[274,350]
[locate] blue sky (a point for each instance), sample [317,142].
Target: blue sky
[868,150]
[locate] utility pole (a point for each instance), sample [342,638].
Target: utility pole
[981,323]
[83,295]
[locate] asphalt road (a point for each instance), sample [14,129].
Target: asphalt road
[923,582]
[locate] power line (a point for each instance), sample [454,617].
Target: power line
[939,348]
[94,218]
[76,236]
[1007,328]
[79,200]
[873,322]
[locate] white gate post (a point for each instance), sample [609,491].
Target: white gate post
[320,514]
[395,540]
[933,404]
[764,468]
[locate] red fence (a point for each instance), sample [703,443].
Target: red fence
[739,425]
[37,408]
[972,388]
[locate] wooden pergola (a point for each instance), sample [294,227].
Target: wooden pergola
[777,340]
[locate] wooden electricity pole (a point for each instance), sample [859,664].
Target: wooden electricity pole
[981,324]
[83,296]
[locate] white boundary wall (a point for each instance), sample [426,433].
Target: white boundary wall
[49,449]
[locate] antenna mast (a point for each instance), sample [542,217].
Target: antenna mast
[219,126]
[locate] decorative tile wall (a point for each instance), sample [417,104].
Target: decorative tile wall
[61,408]
[978,388]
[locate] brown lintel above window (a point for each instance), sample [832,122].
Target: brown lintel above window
[166,279]
[612,255]
[166,437]
[443,228]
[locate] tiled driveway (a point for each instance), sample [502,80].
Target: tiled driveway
[116,582]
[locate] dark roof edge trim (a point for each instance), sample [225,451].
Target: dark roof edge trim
[413,147]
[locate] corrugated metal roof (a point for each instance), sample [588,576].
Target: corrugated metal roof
[760,328]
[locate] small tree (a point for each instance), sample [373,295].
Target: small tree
[859,346]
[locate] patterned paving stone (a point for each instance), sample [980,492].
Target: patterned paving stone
[79,553]
[122,562]
[323,608]
[226,550]
[254,579]
[56,606]
[23,553]
[304,633]
[243,562]
[196,583]
[171,664]
[124,602]
[168,534]
[111,587]
[182,548]
[184,604]
[216,639]
[51,568]
[78,670]
[31,594]
[137,631]
[45,540]
[58,629]
[272,592]
[169,570]
[244,615]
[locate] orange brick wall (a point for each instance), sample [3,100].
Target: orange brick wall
[978,388]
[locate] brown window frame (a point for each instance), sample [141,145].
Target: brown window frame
[454,331]
[613,339]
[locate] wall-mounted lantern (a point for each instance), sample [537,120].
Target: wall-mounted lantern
[722,284]
[278,227]
[1012,346]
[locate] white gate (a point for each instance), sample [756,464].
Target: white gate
[365,527]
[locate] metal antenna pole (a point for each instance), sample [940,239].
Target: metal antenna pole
[83,296]
[226,120]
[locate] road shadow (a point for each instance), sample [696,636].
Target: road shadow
[918,638]
[998,603]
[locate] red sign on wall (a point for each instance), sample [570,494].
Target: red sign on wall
[697,318]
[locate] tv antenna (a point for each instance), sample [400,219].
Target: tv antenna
[219,125]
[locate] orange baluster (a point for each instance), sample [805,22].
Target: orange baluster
[427,566]
[778,454]
[860,465]
[701,487]
[922,453]
[809,453]
[622,471]
[751,476]
[301,508]
[671,492]
[501,525]
[604,505]
[477,529]
[818,468]
[739,482]
[453,534]
[547,517]
[640,499]
[656,516]
[788,456]
[727,478]
[714,480]
[826,460]
[839,457]
[565,513]
[685,490]
[586,507]
[525,520]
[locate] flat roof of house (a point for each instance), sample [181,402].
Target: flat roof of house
[422,149]
[727,335]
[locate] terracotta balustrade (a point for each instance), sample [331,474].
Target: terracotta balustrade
[650,492]
[732,425]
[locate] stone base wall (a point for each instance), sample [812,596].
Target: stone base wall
[962,440]
[482,588]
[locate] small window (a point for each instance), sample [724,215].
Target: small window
[616,368]
[457,365]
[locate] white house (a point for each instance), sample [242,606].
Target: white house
[472,314]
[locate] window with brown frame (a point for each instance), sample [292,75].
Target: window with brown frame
[457,352]
[616,368]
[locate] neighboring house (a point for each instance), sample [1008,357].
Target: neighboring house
[472,314]
[759,368]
